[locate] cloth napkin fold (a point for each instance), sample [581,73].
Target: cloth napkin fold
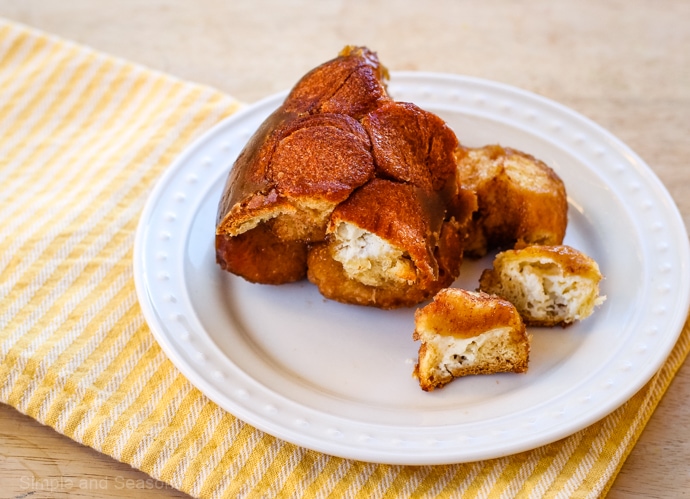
[83,138]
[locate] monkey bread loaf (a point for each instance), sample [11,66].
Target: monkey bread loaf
[348,187]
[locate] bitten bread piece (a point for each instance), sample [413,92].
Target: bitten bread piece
[387,246]
[549,285]
[465,332]
[518,200]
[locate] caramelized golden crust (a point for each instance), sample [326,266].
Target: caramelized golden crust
[520,200]
[464,314]
[449,252]
[571,262]
[245,254]
[411,145]
[354,83]
[247,177]
[321,161]
[313,159]
[466,333]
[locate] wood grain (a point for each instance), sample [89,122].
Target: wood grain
[37,462]
[624,64]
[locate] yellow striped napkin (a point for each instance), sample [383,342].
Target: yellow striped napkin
[83,137]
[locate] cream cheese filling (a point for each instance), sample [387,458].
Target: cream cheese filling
[369,259]
[461,351]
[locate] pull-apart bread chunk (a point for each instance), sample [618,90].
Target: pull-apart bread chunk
[339,166]
[388,246]
[549,285]
[517,199]
[412,145]
[464,333]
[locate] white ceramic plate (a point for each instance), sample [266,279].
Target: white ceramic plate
[337,378]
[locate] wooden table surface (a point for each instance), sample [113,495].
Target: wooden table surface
[624,64]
